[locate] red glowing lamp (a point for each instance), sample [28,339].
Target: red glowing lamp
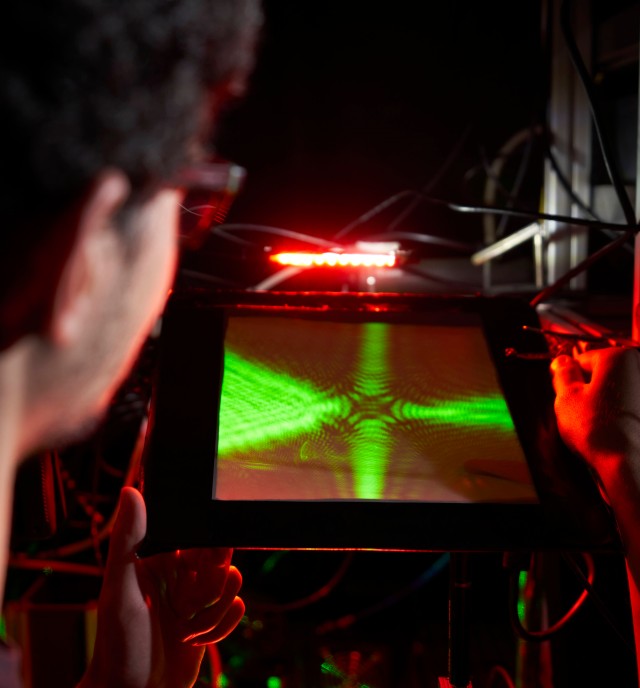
[335,259]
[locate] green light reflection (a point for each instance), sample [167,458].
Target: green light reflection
[371,440]
[263,408]
[490,411]
[522,602]
[260,405]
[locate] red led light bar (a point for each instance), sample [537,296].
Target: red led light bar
[333,259]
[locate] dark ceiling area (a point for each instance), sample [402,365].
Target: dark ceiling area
[353,102]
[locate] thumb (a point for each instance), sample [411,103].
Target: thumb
[128,531]
[566,371]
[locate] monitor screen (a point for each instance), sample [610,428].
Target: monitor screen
[329,410]
[359,421]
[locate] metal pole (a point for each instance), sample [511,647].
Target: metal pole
[459,629]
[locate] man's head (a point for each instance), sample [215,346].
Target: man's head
[102,102]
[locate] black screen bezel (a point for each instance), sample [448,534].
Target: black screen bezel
[178,468]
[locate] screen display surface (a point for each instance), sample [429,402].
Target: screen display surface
[325,410]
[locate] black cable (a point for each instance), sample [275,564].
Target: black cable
[581,267]
[417,196]
[612,171]
[501,673]
[485,167]
[226,232]
[221,234]
[432,183]
[490,174]
[423,239]
[546,634]
[223,230]
[527,214]
[376,210]
[582,222]
[212,279]
[315,596]
[229,229]
[515,190]
[349,619]
[566,185]
[585,78]
[597,601]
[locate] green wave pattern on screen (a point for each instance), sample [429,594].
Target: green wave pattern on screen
[371,439]
[262,407]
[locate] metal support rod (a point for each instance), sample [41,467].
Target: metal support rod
[507,244]
[459,629]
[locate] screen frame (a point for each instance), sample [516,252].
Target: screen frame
[178,470]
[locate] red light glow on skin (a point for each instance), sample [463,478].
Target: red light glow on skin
[333,259]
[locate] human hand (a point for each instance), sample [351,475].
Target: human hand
[156,615]
[598,410]
[598,407]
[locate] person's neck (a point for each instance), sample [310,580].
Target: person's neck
[11,438]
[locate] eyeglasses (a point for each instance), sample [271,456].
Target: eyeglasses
[210,189]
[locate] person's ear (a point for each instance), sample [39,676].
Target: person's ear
[90,259]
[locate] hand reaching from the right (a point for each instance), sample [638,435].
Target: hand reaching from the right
[598,407]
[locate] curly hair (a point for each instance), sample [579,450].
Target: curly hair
[86,84]
[91,84]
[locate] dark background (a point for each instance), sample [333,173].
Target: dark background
[352,102]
